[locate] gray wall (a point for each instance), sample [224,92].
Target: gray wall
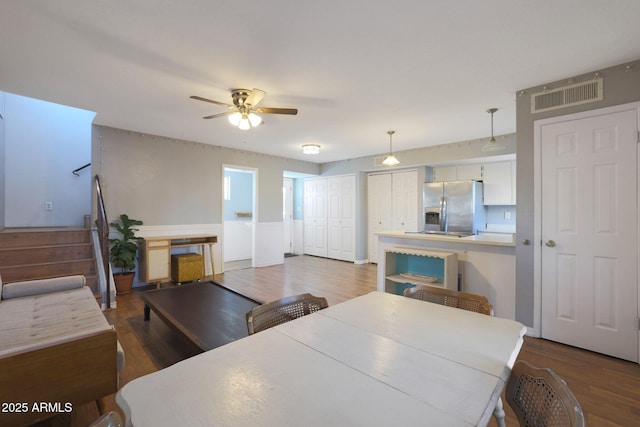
[163,181]
[621,86]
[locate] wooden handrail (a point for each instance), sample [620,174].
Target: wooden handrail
[103,234]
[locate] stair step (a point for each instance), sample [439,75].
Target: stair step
[17,238]
[47,269]
[42,254]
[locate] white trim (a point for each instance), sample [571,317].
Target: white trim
[537,200]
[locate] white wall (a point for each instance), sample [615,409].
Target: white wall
[44,143]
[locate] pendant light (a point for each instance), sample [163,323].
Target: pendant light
[390,160]
[493,145]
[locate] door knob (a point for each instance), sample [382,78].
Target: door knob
[526,242]
[550,244]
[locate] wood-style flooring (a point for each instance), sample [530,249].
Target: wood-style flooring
[608,389]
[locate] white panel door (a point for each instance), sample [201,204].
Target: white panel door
[315,217]
[334,217]
[341,213]
[589,233]
[348,218]
[379,210]
[405,201]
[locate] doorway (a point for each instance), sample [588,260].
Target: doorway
[587,229]
[287,215]
[239,216]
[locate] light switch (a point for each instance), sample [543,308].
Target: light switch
[48,206]
[507,214]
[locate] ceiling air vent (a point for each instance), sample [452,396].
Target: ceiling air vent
[566,96]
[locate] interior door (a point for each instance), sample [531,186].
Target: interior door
[405,200]
[379,210]
[589,231]
[315,217]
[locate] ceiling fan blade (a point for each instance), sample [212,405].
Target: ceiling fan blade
[219,115]
[267,110]
[255,96]
[199,98]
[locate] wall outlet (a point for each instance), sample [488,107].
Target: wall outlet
[507,214]
[48,206]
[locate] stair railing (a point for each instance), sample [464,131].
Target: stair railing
[103,235]
[75,172]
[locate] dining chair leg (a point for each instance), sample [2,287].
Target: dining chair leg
[498,412]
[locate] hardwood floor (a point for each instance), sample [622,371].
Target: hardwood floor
[608,389]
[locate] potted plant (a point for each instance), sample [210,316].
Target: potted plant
[123,252]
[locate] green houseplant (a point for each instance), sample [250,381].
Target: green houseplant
[124,251]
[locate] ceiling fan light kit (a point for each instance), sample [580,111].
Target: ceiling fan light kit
[310,149]
[243,111]
[390,160]
[492,144]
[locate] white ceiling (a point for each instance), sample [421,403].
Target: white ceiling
[427,69]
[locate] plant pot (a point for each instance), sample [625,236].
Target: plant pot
[124,282]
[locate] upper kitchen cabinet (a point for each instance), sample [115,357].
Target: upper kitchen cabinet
[469,172]
[499,183]
[457,173]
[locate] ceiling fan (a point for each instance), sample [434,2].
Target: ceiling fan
[245,106]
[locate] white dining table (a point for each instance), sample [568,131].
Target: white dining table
[375,360]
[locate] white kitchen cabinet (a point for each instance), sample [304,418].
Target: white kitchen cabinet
[444,173]
[469,172]
[499,183]
[457,173]
[394,203]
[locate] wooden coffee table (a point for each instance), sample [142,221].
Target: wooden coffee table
[207,314]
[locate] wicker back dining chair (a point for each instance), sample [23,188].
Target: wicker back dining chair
[283,310]
[451,298]
[539,397]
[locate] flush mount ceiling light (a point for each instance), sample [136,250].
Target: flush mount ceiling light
[390,160]
[310,149]
[492,144]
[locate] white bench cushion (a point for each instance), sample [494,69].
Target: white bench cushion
[48,318]
[41,286]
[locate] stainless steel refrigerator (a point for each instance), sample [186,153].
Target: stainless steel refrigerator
[453,207]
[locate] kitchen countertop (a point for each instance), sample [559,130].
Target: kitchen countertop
[505,239]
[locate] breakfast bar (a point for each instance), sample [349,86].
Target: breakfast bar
[375,360]
[486,264]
